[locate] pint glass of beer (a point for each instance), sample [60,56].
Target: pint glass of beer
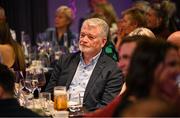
[60,98]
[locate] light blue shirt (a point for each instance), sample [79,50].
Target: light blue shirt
[82,76]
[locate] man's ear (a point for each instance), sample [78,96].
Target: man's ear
[103,42]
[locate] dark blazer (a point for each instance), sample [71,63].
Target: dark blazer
[104,84]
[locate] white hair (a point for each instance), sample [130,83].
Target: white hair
[99,23]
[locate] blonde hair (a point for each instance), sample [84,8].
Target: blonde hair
[142,31]
[66,11]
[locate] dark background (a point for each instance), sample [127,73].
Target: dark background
[29,16]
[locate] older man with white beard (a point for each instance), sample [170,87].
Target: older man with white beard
[90,72]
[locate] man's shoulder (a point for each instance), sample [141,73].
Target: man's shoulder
[107,59]
[70,56]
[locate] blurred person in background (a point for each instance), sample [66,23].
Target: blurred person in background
[174,38]
[61,36]
[142,5]
[3,19]
[143,32]
[151,107]
[57,40]
[131,19]
[127,47]
[93,4]
[10,106]
[11,52]
[158,16]
[151,74]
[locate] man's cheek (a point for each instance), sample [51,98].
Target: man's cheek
[93,44]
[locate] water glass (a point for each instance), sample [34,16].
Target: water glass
[75,102]
[45,99]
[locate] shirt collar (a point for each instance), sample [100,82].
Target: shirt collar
[93,60]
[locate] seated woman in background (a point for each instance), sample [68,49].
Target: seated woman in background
[159,18]
[11,52]
[61,35]
[106,12]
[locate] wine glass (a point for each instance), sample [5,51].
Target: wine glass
[39,77]
[25,93]
[28,88]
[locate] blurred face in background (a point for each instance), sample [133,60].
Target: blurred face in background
[167,77]
[2,15]
[169,69]
[91,41]
[61,20]
[94,3]
[126,25]
[152,19]
[125,53]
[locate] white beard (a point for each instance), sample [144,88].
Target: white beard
[84,48]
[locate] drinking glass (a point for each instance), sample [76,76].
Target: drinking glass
[60,98]
[45,98]
[27,83]
[26,91]
[41,77]
[75,103]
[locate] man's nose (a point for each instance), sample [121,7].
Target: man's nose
[85,38]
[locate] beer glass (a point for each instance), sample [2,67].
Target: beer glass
[60,98]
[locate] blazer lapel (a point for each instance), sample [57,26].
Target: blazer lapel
[95,74]
[72,70]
